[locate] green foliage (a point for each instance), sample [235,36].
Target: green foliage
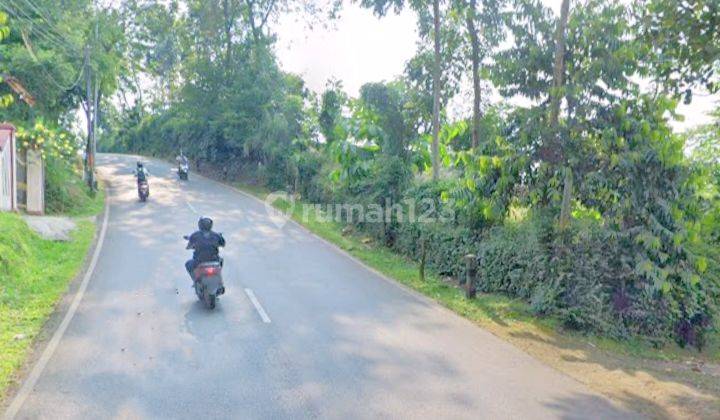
[683,43]
[638,258]
[331,120]
[51,142]
[5,100]
[65,191]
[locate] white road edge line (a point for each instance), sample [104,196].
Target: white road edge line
[258,307]
[29,384]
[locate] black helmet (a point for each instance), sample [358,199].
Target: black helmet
[205,224]
[139,164]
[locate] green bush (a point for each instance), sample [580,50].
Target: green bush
[585,277]
[65,190]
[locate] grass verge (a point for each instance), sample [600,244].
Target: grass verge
[670,382]
[34,274]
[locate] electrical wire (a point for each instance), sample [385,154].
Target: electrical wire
[47,38]
[42,32]
[46,35]
[55,33]
[50,77]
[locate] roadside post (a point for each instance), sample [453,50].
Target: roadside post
[8,169]
[470,275]
[35,181]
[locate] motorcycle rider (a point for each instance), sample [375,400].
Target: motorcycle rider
[205,244]
[141,173]
[181,159]
[183,165]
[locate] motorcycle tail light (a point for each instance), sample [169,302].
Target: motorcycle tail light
[210,271]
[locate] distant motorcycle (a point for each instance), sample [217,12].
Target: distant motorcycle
[207,281]
[184,171]
[143,190]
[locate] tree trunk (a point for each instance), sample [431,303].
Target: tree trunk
[228,33]
[475,43]
[556,95]
[251,21]
[436,93]
[89,161]
[559,65]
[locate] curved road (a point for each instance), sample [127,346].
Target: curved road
[334,341]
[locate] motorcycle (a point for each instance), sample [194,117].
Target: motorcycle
[143,190]
[207,281]
[183,171]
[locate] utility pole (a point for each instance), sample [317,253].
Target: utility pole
[89,110]
[96,105]
[91,113]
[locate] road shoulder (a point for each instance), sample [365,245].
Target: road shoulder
[41,340]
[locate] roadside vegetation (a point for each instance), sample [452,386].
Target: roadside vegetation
[592,219]
[594,222]
[40,101]
[34,273]
[677,381]
[583,204]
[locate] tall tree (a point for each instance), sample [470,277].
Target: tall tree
[483,30]
[559,63]
[381,8]
[475,59]
[556,95]
[436,91]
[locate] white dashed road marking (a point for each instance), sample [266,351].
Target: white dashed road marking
[258,307]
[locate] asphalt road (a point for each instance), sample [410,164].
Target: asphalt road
[335,340]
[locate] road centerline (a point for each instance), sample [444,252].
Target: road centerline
[190,206]
[258,306]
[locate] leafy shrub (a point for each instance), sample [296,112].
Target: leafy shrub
[65,191]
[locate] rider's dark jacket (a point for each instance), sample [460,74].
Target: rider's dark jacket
[206,245]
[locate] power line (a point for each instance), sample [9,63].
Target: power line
[37,10]
[47,38]
[52,28]
[50,25]
[42,32]
[26,41]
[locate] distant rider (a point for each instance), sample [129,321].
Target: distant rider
[205,244]
[142,174]
[182,159]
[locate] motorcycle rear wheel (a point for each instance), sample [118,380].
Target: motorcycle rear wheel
[210,301]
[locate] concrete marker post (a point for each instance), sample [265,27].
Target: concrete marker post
[471,274]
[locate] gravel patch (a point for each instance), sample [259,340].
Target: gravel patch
[51,228]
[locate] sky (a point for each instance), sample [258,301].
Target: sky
[361,48]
